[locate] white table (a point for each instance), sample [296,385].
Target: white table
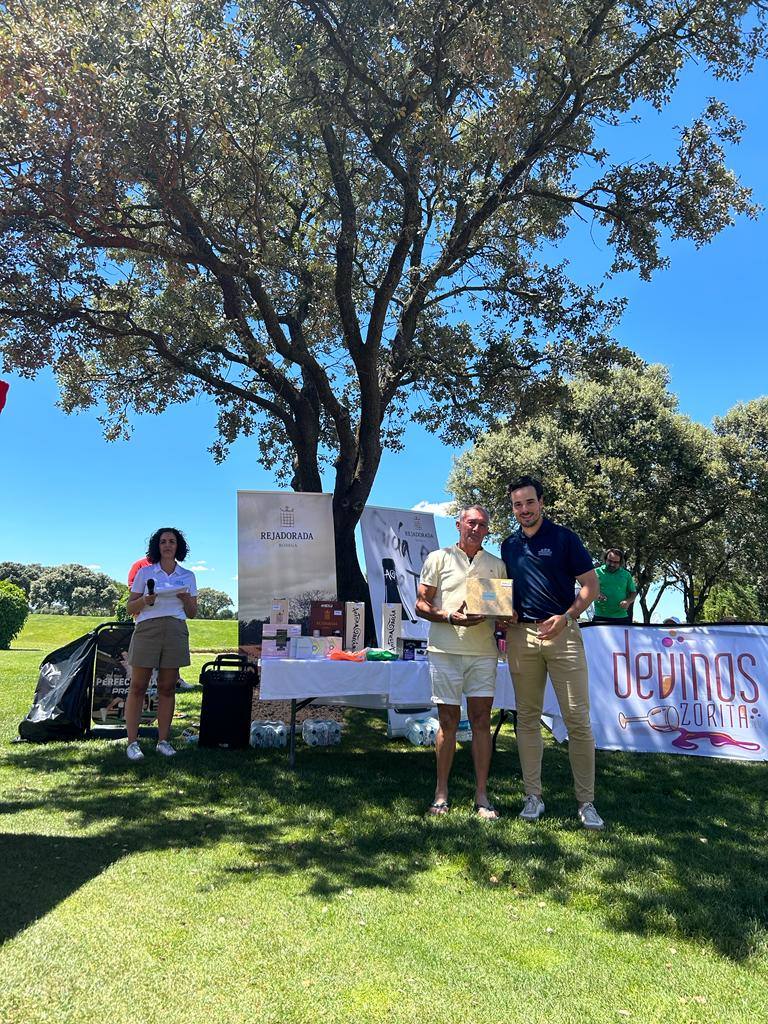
[367,684]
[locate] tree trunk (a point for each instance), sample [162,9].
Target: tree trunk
[351,584]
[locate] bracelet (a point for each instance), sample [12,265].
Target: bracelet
[450,618]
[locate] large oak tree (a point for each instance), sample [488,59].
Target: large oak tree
[289,205]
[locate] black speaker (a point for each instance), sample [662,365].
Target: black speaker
[225,714]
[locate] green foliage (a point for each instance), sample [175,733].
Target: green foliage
[286,205]
[733,600]
[624,469]
[75,590]
[121,608]
[211,603]
[22,575]
[13,612]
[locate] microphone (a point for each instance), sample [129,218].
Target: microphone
[151,587]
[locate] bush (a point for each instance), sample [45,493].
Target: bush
[121,608]
[13,612]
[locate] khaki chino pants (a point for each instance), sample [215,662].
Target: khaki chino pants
[530,659]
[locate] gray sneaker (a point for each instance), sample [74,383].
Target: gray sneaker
[165,748]
[589,817]
[533,808]
[134,752]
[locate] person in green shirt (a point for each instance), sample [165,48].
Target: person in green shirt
[617,590]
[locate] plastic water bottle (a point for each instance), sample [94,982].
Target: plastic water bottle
[431,727]
[279,733]
[321,732]
[422,731]
[464,731]
[268,733]
[414,732]
[314,732]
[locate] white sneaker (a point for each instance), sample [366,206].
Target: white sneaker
[165,748]
[134,752]
[533,808]
[589,817]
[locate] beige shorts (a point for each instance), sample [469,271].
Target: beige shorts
[162,642]
[455,674]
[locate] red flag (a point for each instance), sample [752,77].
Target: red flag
[3,392]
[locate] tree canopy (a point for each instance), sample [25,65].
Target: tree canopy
[295,208]
[621,466]
[75,590]
[212,603]
[21,575]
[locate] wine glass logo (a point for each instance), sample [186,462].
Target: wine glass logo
[663,718]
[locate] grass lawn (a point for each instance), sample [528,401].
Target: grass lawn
[220,887]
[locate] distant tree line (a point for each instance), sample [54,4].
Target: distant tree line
[73,589]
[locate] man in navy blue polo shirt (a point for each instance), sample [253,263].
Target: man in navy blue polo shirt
[545,560]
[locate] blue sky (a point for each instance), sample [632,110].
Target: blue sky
[69,496]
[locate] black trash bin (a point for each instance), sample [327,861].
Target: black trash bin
[225,714]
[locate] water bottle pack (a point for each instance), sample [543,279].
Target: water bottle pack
[422,732]
[267,733]
[464,731]
[321,732]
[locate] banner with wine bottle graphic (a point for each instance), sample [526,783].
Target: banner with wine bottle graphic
[395,543]
[683,690]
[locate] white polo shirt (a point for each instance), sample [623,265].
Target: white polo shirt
[164,605]
[448,569]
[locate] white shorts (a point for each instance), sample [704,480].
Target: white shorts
[455,674]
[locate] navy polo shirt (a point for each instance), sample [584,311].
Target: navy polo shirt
[544,568]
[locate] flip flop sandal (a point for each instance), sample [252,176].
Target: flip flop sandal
[493,816]
[438,808]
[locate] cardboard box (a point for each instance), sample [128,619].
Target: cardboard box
[275,648]
[301,647]
[391,626]
[354,626]
[275,639]
[327,617]
[321,645]
[272,630]
[278,614]
[489,597]
[410,649]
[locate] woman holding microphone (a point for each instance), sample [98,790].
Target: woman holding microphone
[163,596]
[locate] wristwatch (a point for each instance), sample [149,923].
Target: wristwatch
[569,618]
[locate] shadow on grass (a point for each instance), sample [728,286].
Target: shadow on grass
[685,853]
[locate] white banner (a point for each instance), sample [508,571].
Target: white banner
[395,543]
[680,690]
[286,548]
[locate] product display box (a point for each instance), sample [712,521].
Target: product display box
[326,618]
[354,626]
[302,646]
[391,626]
[275,638]
[489,597]
[412,650]
[278,614]
[273,630]
[308,647]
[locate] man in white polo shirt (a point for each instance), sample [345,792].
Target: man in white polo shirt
[463,657]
